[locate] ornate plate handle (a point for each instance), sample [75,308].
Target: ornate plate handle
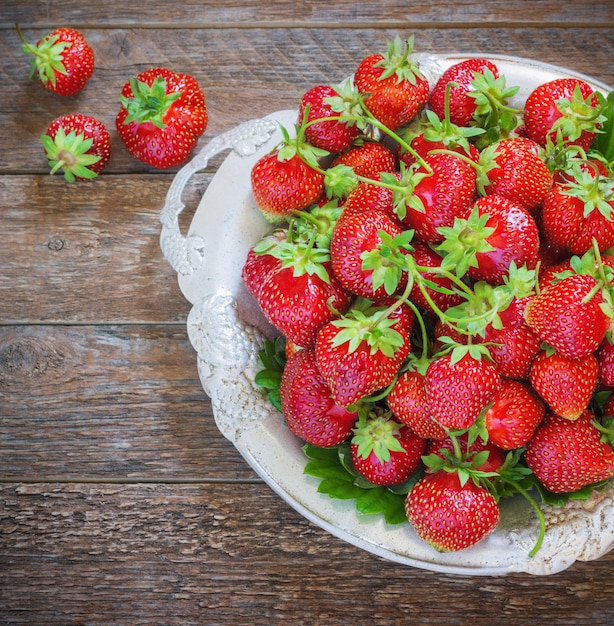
[186,254]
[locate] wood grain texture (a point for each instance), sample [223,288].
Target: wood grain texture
[202,554]
[284,13]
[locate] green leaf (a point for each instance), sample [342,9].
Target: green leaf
[604,140]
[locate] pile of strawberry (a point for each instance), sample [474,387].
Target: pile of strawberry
[162,113]
[441,273]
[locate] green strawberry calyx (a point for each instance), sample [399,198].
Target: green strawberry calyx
[464,241]
[397,62]
[594,190]
[370,324]
[578,114]
[48,56]
[70,153]
[493,112]
[377,433]
[149,103]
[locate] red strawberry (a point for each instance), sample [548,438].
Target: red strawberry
[569,316]
[458,389]
[461,105]
[440,190]
[62,59]
[568,455]
[566,384]
[448,515]
[302,295]
[579,210]
[512,344]
[515,169]
[307,406]
[161,117]
[361,353]
[356,256]
[260,261]
[368,196]
[285,181]
[605,358]
[385,451]
[407,401]
[513,416]
[395,89]
[333,135]
[568,105]
[496,234]
[80,145]
[368,159]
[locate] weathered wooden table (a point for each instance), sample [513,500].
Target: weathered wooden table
[120,502]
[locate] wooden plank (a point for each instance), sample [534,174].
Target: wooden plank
[282,63]
[114,402]
[88,252]
[282,12]
[204,554]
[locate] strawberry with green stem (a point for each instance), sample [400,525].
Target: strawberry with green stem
[302,294]
[361,352]
[573,315]
[62,60]
[333,133]
[383,450]
[79,145]
[578,209]
[566,110]
[394,89]
[161,117]
[496,233]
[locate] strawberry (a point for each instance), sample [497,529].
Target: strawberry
[80,145]
[368,159]
[333,135]
[407,401]
[605,358]
[442,188]
[565,109]
[459,385]
[356,253]
[568,455]
[361,352]
[302,295]
[448,514]
[383,450]
[512,344]
[566,384]
[367,196]
[161,117]
[515,169]
[288,178]
[461,105]
[62,60]
[260,262]
[570,316]
[514,414]
[307,406]
[578,209]
[497,233]
[393,87]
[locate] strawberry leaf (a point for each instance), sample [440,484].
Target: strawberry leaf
[341,483]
